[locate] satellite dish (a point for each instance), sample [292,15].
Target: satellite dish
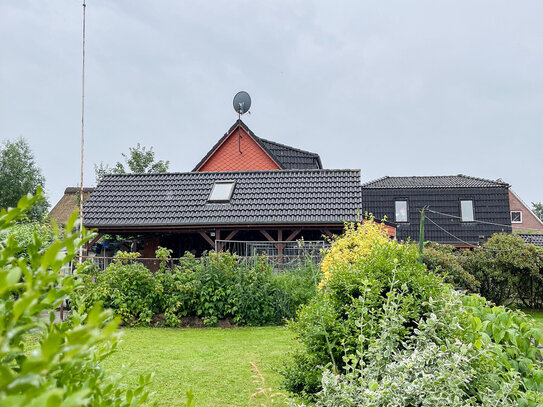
[242,102]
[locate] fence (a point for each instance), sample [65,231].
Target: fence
[279,254]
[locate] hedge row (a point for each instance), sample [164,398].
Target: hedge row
[213,288]
[505,270]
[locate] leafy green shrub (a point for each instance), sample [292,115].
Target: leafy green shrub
[175,291]
[389,332]
[296,287]
[351,301]
[254,294]
[440,365]
[126,287]
[65,366]
[508,270]
[442,260]
[25,232]
[214,287]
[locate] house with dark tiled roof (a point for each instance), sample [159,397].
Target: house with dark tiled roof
[459,210]
[245,188]
[190,211]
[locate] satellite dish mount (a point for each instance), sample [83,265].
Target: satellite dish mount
[242,104]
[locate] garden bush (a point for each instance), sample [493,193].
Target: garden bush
[386,331]
[218,286]
[126,286]
[64,366]
[25,232]
[175,291]
[360,268]
[443,260]
[508,270]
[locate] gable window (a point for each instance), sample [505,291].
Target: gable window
[516,216]
[400,210]
[466,210]
[221,191]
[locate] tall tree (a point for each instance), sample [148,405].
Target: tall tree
[19,175]
[537,208]
[139,160]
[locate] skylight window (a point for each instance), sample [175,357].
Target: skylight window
[222,191]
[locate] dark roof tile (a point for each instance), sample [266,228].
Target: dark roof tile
[533,238]
[447,181]
[260,197]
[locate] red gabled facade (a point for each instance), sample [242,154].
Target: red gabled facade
[527,221]
[238,151]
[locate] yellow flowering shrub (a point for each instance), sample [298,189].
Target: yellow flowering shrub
[354,245]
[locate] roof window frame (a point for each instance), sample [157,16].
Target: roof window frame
[221,200]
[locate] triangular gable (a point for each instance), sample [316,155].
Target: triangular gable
[238,150]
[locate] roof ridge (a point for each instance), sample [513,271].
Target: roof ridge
[375,180]
[286,146]
[497,183]
[290,170]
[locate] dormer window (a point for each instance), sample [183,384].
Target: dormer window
[221,191]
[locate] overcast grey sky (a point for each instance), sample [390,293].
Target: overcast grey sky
[389,87]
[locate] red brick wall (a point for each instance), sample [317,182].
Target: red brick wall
[228,158]
[529,221]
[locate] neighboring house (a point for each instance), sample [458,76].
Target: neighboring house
[522,218]
[68,204]
[190,211]
[241,150]
[462,210]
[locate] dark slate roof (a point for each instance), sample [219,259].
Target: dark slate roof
[259,197]
[533,238]
[447,181]
[288,158]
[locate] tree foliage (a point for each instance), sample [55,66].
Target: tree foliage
[64,365]
[19,175]
[139,160]
[537,208]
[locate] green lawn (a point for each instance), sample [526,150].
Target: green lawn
[214,363]
[537,315]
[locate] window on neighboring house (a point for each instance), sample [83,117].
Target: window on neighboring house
[401,210]
[466,210]
[516,216]
[221,191]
